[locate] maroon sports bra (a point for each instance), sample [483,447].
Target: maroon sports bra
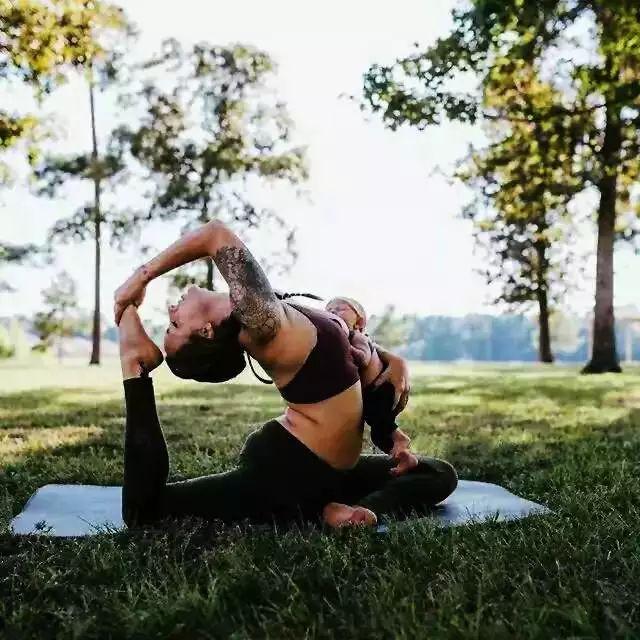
[329,368]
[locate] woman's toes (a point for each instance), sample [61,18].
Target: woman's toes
[339,515]
[362,515]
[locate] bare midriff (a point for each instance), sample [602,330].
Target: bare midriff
[332,428]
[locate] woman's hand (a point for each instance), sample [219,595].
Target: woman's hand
[130,293]
[397,373]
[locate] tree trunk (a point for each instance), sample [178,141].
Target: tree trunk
[210,268]
[544,339]
[204,218]
[95,347]
[544,335]
[604,356]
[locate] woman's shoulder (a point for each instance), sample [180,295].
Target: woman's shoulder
[319,314]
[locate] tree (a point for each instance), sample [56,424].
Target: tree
[391,329]
[40,43]
[14,129]
[18,254]
[599,88]
[104,171]
[435,338]
[520,211]
[60,318]
[210,125]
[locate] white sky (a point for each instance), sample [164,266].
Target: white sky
[380,225]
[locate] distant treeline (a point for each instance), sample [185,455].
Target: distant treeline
[499,338]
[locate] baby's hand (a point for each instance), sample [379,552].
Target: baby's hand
[401,442]
[405,460]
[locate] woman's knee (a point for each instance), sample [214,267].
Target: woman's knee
[444,472]
[449,477]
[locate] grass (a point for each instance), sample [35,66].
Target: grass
[568,441]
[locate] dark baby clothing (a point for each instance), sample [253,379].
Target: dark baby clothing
[378,413]
[277,478]
[329,368]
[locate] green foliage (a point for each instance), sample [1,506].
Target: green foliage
[20,254]
[41,44]
[390,329]
[60,318]
[523,182]
[210,125]
[111,34]
[52,176]
[7,350]
[568,74]
[486,39]
[16,253]
[40,39]
[571,443]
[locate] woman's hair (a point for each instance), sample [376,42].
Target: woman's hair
[214,359]
[219,358]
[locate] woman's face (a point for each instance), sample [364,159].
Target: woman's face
[197,311]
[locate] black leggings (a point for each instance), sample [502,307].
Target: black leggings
[277,477]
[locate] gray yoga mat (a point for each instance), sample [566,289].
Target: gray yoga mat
[84,510]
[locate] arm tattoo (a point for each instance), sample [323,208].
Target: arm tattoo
[253,300]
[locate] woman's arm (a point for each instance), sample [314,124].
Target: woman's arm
[252,297]
[361,349]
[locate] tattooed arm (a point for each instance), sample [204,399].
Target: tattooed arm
[253,300]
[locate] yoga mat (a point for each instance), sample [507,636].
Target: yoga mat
[83,510]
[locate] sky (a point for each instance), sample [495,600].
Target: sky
[381,222]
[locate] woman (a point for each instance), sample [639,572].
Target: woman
[306,463]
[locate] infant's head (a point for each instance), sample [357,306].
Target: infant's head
[350,310]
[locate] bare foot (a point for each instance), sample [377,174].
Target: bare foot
[336,514]
[138,353]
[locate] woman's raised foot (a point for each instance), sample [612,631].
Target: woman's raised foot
[139,355]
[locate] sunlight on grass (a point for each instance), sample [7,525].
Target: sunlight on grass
[16,443]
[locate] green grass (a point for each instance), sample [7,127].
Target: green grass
[568,441]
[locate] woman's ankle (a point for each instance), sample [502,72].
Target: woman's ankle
[139,355]
[131,367]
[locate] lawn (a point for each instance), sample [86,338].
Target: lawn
[568,441]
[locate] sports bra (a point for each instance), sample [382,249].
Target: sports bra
[329,368]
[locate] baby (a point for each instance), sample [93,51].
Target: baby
[377,401]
